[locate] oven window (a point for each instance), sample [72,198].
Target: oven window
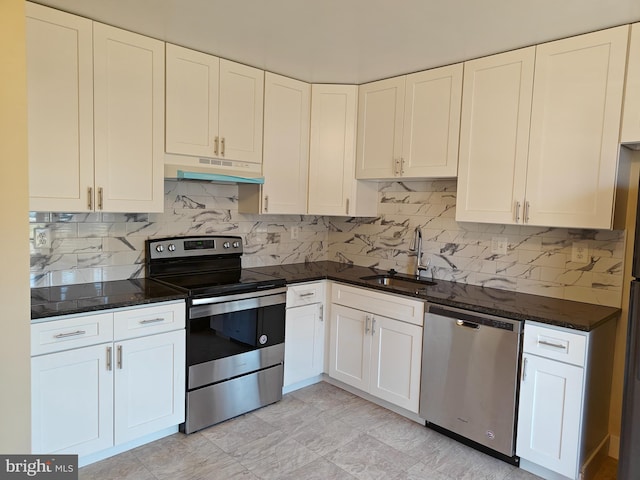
[218,336]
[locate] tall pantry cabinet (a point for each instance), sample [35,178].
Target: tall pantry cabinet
[96,115]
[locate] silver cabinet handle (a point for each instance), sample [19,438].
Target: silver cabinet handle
[401,166]
[109,358]
[373,325]
[266,203]
[321,312]
[90,198]
[366,324]
[347,209]
[307,294]
[120,357]
[222,146]
[551,344]
[524,369]
[526,211]
[70,334]
[99,198]
[151,320]
[396,167]
[215,145]
[517,212]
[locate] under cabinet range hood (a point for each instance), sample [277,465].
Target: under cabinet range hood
[211,169]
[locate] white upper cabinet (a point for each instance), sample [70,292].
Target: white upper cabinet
[571,162]
[128,120]
[60,109]
[286,145]
[214,106]
[192,102]
[630,130]
[333,189]
[575,125]
[409,126]
[494,136]
[96,115]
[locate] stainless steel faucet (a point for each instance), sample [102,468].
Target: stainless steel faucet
[416,246]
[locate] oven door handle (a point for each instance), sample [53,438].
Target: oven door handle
[199,311]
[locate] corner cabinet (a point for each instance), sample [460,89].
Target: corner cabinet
[376,344]
[333,188]
[559,170]
[564,399]
[408,126]
[96,115]
[214,108]
[105,379]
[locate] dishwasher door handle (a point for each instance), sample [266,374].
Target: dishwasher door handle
[462,323]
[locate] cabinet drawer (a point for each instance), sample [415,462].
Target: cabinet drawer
[64,334]
[149,320]
[555,344]
[305,294]
[392,306]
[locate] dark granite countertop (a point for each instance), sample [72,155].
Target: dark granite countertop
[90,297]
[553,311]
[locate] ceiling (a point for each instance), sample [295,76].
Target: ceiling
[354,41]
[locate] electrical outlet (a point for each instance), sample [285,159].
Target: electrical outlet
[295,231]
[580,252]
[499,245]
[42,238]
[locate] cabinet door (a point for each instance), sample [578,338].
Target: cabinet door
[240,112]
[72,401]
[149,384]
[630,129]
[192,102]
[129,120]
[304,343]
[431,128]
[575,122]
[60,93]
[350,346]
[494,137]
[286,145]
[380,117]
[549,414]
[396,353]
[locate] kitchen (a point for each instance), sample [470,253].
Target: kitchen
[269,240]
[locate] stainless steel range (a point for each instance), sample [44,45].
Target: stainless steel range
[235,326]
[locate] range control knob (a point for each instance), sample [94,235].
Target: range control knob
[226,244]
[236,244]
[172,247]
[159,248]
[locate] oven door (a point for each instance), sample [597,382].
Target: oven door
[234,335]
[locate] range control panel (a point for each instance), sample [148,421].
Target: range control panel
[179,247]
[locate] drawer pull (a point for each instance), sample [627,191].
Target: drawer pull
[308,294]
[551,344]
[151,320]
[70,334]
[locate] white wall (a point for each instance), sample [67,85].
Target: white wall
[15,400]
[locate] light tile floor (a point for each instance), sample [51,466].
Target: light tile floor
[319,432]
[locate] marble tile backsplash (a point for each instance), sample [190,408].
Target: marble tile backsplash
[105,246]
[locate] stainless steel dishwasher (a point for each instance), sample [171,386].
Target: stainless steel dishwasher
[470,365]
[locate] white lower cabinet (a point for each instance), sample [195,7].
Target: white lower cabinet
[373,352]
[86,397]
[304,335]
[565,388]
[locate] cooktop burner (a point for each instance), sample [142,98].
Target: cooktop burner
[204,266]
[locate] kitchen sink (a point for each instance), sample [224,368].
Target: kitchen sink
[393,281]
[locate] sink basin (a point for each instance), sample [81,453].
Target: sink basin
[394,281]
